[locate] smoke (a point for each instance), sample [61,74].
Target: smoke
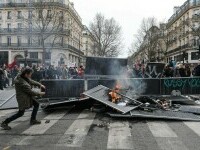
[126,78]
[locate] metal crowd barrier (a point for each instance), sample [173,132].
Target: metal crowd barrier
[72,89]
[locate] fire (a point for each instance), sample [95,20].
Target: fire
[113,94]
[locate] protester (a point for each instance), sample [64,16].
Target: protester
[81,71]
[1,78]
[196,71]
[182,71]
[168,71]
[14,73]
[25,97]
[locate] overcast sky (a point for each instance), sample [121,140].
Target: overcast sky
[128,13]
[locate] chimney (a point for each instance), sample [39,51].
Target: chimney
[176,8]
[72,4]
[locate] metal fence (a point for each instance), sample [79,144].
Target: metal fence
[163,86]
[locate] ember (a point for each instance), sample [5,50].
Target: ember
[113,94]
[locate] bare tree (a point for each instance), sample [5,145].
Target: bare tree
[107,35]
[166,38]
[146,40]
[45,23]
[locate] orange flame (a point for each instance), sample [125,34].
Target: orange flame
[115,97]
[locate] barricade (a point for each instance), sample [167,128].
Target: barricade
[63,88]
[163,86]
[185,85]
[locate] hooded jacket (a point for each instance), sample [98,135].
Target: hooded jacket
[24,93]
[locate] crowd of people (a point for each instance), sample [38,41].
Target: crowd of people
[172,69]
[181,70]
[7,75]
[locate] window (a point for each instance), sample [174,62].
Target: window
[9,15]
[19,26]
[29,41]
[9,41]
[39,41]
[62,41]
[194,56]
[34,55]
[9,27]
[61,15]
[62,26]
[30,14]
[47,55]
[48,13]
[19,15]
[30,27]
[19,40]
[40,14]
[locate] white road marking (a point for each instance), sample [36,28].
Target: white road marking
[161,129]
[170,144]
[194,126]
[43,127]
[120,136]
[18,121]
[77,132]
[4,113]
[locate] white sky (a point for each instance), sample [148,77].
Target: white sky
[128,13]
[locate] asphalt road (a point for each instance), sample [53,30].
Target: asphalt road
[82,129]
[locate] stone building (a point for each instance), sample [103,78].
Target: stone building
[23,38]
[183,31]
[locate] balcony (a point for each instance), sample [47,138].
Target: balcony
[180,48]
[33,31]
[184,8]
[36,45]
[24,3]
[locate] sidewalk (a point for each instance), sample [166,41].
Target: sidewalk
[7,95]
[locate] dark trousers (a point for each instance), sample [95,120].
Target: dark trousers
[1,84]
[20,113]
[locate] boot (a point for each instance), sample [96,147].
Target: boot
[35,122]
[5,126]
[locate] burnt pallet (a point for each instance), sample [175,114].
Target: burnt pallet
[100,93]
[159,114]
[190,109]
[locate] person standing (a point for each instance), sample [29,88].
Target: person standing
[1,78]
[25,97]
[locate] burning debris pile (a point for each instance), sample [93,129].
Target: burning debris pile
[162,107]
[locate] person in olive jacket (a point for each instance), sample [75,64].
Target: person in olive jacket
[25,97]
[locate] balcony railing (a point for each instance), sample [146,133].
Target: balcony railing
[180,48]
[185,7]
[31,30]
[24,3]
[36,45]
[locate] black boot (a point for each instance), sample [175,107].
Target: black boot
[35,122]
[5,126]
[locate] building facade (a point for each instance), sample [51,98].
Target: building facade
[183,32]
[179,38]
[21,38]
[89,44]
